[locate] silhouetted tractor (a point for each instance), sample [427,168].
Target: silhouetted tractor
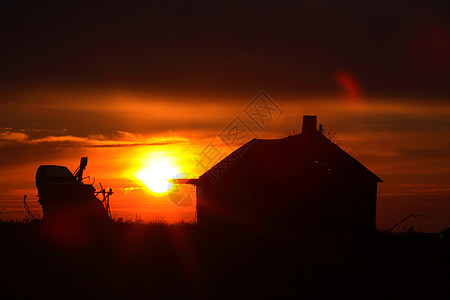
[63,195]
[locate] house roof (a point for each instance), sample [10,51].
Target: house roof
[291,156]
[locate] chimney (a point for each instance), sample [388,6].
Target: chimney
[309,124]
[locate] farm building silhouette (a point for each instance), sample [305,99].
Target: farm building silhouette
[303,181]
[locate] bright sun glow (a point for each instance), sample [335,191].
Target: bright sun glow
[157,173]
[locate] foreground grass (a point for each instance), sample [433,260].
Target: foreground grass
[135,260]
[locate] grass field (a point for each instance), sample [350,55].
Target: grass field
[135,260]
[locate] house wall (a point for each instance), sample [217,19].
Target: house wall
[352,207]
[339,205]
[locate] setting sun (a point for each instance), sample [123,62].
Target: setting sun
[157,173]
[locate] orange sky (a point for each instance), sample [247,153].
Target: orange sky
[403,141]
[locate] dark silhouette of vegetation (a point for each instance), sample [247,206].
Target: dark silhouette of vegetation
[132,260]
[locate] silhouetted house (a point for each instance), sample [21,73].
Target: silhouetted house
[300,181]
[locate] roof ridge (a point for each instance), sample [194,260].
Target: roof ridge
[224,164]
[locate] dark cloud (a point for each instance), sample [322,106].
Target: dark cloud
[73,113]
[16,148]
[232,47]
[16,154]
[112,145]
[401,123]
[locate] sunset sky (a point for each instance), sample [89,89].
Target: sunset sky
[127,84]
